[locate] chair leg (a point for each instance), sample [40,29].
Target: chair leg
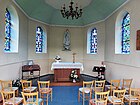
[51,95]
[89,103]
[83,98]
[79,96]
[42,103]
[47,99]
[90,95]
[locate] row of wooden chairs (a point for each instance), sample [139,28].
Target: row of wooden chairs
[98,88]
[118,97]
[29,92]
[115,85]
[85,92]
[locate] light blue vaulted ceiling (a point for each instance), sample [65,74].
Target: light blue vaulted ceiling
[95,11]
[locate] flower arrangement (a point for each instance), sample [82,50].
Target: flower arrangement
[73,75]
[16,83]
[57,58]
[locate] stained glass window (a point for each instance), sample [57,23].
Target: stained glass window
[39,39]
[7,30]
[93,41]
[126,34]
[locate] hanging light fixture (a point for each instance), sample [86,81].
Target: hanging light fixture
[72,12]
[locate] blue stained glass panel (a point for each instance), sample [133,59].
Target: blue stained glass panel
[126,34]
[7,30]
[93,41]
[39,39]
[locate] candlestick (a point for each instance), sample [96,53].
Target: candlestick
[74,57]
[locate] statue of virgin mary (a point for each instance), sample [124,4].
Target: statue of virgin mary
[66,42]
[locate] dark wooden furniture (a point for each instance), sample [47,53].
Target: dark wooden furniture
[63,74]
[101,72]
[31,69]
[138,40]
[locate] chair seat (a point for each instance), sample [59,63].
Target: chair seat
[34,99]
[93,102]
[130,97]
[109,86]
[86,90]
[17,100]
[99,89]
[14,88]
[30,89]
[114,99]
[9,89]
[45,91]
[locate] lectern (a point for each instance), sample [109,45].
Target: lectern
[101,72]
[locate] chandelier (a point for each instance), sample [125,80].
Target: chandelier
[72,12]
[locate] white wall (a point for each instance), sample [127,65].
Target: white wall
[55,44]
[39,58]
[91,60]
[123,66]
[10,63]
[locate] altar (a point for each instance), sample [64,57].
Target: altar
[62,70]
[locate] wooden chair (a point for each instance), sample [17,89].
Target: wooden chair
[133,96]
[100,98]
[27,86]
[118,97]
[99,86]
[10,99]
[114,86]
[7,86]
[127,85]
[85,92]
[31,99]
[45,90]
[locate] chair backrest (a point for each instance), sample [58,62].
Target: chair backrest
[6,84]
[115,83]
[0,85]
[101,98]
[99,86]
[30,98]
[88,84]
[6,95]
[26,84]
[43,84]
[127,84]
[119,94]
[135,92]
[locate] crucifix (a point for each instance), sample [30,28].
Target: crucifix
[73,57]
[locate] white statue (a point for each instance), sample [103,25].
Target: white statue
[66,42]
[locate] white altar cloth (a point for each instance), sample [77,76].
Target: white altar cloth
[61,65]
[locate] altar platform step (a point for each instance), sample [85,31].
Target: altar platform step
[50,77]
[66,83]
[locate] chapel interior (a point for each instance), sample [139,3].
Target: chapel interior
[104,17]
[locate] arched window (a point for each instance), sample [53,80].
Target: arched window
[126,34]
[7,30]
[92,41]
[40,40]
[122,33]
[11,30]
